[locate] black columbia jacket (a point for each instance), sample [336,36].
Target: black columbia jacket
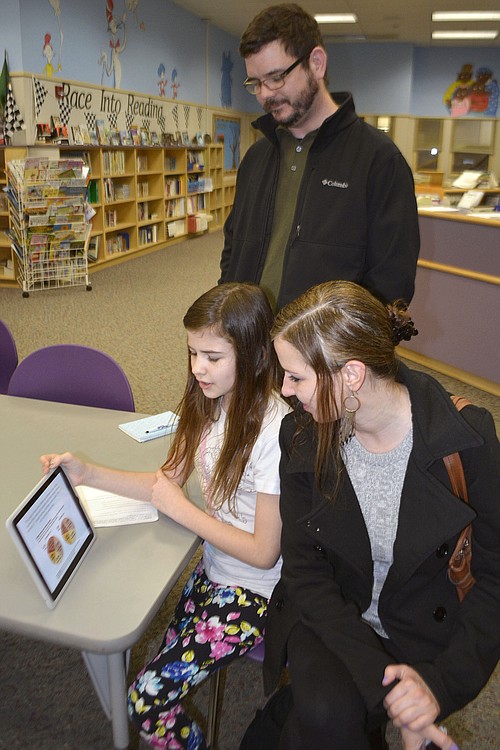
[355,219]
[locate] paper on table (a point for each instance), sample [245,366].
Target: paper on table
[149,428]
[108,509]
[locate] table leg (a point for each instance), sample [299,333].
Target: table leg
[108,673]
[118,698]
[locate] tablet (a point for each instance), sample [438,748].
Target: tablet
[52,533]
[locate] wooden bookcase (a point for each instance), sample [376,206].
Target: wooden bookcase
[149,197]
[175,192]
[216,201]
[120,232]
[144,198]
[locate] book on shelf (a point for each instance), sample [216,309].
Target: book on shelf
[109,189]
[93,248]
[125,240]
[176,228]
[195,161]
[93,191]
[122,191]
[126,138]
[143,188]
[148,235]
[198,223]
[43,131]
[76,134]
[102,133]
[118,243]
[134,134]
[175,208]
[85,135]
[173,186]
[110,218]
[113,162]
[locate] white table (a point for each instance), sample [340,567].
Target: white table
[129,570]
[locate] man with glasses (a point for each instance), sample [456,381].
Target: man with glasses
[323,195]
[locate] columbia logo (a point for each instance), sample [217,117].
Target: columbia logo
[334,183]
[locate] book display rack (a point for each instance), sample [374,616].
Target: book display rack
[49,231]
[142,198]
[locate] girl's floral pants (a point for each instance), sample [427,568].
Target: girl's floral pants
[212,626]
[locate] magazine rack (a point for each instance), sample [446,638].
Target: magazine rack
[49,230]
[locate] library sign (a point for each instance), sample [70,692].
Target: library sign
[67,106]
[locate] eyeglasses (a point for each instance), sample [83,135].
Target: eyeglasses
[253,85]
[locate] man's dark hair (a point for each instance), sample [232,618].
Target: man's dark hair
[289,24]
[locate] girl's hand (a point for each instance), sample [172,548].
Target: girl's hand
[74,468]
[169,498]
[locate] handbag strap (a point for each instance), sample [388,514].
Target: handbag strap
[453,462]
[459,566]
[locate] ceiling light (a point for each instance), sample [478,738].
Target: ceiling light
[464,34]
[336,18]
[466,15]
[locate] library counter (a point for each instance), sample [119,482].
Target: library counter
[457,298]
[441,212]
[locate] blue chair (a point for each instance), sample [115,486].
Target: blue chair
[8,356]
[73,374]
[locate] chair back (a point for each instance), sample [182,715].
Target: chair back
[8,356]
[73,374]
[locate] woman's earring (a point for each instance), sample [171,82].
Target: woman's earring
[347,427]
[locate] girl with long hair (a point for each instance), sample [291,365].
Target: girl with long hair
[229,420]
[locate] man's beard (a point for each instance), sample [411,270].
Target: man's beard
[300,107]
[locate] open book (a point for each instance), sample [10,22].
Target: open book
[108,509]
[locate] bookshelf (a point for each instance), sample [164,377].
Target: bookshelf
[199,187]
[216,199]
[149,196]
[119,201]
[175,192]
[143,197]
[8,274]
[473,144]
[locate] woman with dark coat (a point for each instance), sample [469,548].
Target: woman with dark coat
[365,613]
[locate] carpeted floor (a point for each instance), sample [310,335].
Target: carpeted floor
[134,312]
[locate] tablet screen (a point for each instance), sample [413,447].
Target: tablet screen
[52,532]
